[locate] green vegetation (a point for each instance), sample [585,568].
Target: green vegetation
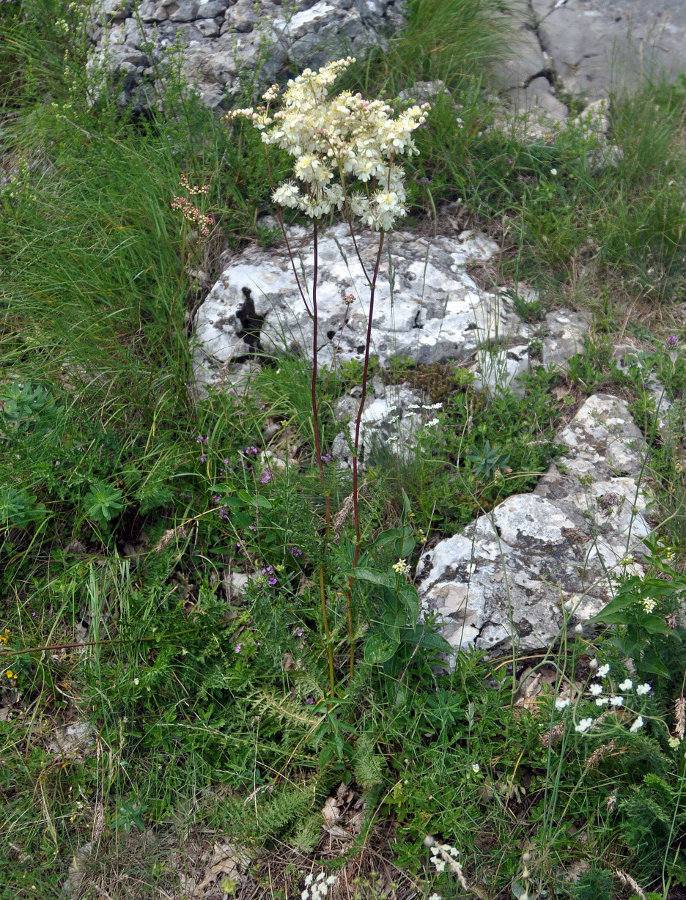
[163,723]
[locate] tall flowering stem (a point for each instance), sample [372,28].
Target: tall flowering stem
[318,455]
[345,150]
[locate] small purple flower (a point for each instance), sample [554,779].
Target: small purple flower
[201,439]
[216,498]
[224,514]
[203,458]
[250,451]
[327,457]
[672,341]
[271,580]
[252,527]
[309,700]
[266,476]
[239,647]
[238,545]
[298,632]
[296,551]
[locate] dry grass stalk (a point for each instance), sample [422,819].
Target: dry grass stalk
[627,880]
[342,516]
[179,532]
[599,753]
[680,717]
[455,866]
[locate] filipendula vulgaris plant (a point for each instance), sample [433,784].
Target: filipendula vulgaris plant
[345,152]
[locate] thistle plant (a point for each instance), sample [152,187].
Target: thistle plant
[345,150]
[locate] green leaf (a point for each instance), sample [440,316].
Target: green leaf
[654,625]
[387,537]
[385,579]
[102,502]
[654,666]
[410,598]
[426,638]
[621,602]
[378,646]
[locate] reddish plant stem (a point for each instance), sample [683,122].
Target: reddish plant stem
[356,445]
[318,455]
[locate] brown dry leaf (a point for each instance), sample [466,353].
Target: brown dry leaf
[577,869]
[225,862]
[330,811]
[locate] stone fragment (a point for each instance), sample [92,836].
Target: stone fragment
[507,576]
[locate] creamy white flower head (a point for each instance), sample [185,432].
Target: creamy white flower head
[643,689]
[603,670]
[344,136]
[595,690]
[616,701]
[626,685]
[583,725]
[637,725]
[561,703]
[287,195]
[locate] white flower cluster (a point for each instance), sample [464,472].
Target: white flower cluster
[344,147]
[437,852]
[317,888]
[596,691]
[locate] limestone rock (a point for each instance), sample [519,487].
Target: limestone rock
[506,577]
[222,40]
[391,420]
[593,42]
[427,307]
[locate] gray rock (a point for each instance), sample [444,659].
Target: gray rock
[391,421]
[251,36]
[595,42]
[506,578]
[427,308]
[432,311]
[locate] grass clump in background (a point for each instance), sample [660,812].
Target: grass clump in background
[169,710]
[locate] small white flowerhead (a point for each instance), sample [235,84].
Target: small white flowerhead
[553,171]
[583,725]
[626,685]
[435,896]
[602,701]
[562,703]
[603,670]
[439,864]
[616,701]
[595,689]
[593,665]
[476,768]
[638,724]
[643,689]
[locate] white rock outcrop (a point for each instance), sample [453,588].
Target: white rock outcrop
[508,575]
